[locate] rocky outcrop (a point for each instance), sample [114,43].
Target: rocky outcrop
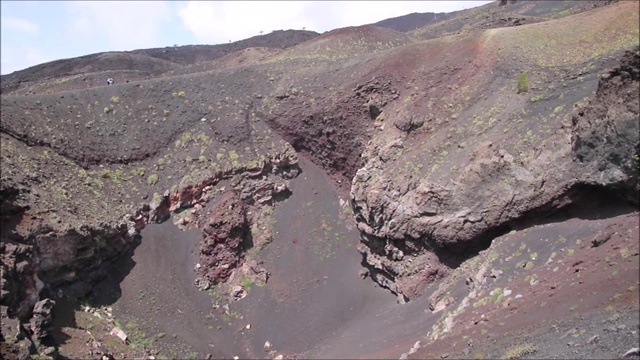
[43,258]
[333,132]
[42,320]
[77,258]
[605,131]
[50,261]
[416,228]
[408,123]
[225,236]
[18,285]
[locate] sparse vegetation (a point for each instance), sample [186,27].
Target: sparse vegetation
[221,138]
[139,171]
[152,179]
[523,83]
[518,351]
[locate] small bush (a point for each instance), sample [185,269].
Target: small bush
[202,137]
[115,99]
[152,179]
[518,351]
[523,83]
[139,171]
[247,283]
[117,175]
[106,110]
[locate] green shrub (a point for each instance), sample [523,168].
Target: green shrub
[523,83]
[152,179]
[106,110]
[115,99]
[117,175]
[517,351]
[139,171]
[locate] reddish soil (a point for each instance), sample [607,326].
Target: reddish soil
[568,285]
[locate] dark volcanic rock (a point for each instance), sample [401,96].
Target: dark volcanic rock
[408,123]
[42,321]
[605,131]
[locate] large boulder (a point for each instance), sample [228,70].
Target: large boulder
[605,131]
[42,320]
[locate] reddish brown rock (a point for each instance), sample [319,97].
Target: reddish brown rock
[224,234]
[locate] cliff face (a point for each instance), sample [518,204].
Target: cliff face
[604,136]
[416,229]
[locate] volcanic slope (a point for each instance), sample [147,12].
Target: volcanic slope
[92,70]
[425,156]
[490,16]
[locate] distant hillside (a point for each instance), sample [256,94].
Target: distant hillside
[492,15]
[191,54]
[412,21]
[150,62]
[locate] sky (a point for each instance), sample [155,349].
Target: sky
[34,32]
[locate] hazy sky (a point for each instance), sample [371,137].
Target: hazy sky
[34,32]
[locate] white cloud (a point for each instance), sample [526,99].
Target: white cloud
[218,22]
[20,57]
[6,61]
[122,25]
[13,23]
